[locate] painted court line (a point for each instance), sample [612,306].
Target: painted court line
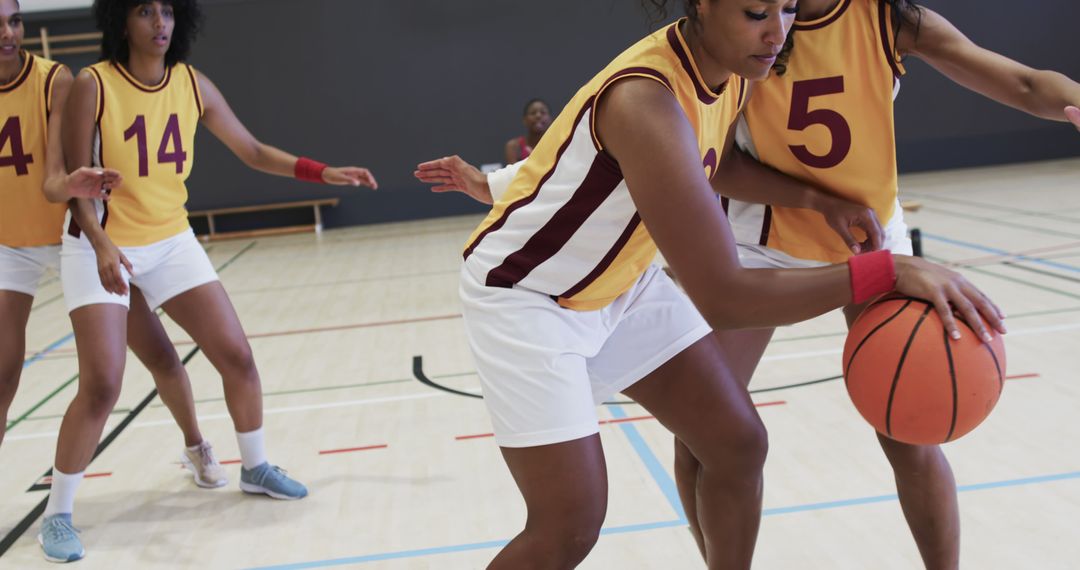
[353,449]
[615,421]
[171,422]
[1002,252]
[419,553]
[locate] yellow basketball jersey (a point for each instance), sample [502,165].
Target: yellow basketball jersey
[27,219]
[566,226]
[829,122]
[147,132]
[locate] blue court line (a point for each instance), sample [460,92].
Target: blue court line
[26,363]
[658,525]
[659,474]
[1004,253]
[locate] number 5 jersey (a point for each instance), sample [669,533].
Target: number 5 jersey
[146,132]
[828,120]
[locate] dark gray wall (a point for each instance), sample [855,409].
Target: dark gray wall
[388,83]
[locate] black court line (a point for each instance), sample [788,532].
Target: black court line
[1020,265]
[995,207]
[418,372]
[20,529]
[999,222]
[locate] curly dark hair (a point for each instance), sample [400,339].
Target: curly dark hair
[111,18]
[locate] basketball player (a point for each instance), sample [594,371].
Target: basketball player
[563,309]
[33,94]
[140,98]
[837,134]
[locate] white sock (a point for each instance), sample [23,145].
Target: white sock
[252,448]
[62,495]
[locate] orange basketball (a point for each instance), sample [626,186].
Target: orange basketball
[912,382]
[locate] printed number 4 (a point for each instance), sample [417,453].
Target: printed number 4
[802,118]
[171,136]
[12,133]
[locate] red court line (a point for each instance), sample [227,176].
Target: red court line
[1023,376]
[48,480]
[231,462]
[351,449]
[616,421]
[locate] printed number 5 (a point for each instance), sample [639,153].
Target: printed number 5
[802,117]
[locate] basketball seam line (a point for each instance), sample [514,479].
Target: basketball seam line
[899,368]
[872,332]
[952,376]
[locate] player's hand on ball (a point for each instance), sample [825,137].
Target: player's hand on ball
[948,291]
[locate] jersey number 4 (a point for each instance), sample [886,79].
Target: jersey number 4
[12,134]
[802,118]
[178,156]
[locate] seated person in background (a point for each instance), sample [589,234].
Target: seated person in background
[536,119]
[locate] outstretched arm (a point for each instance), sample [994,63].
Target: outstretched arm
[222,122]
[452,174]
[1046,94]
[83,182]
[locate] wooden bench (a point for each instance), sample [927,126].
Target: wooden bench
[213,234]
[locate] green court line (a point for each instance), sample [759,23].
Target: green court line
[43,401]
[69,381]
[115,412]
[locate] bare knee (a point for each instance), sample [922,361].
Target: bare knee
[238,360]
[9,383]
[570,537]
[162,361]
[99,398]
[741,450]
[911,458]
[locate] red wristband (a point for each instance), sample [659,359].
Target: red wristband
[872,274]
[309,170]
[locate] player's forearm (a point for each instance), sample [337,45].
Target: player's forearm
[271,160]
[55,188]
[1048,93]
[743,178]
[84,214]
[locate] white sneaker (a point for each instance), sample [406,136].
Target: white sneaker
[209,474]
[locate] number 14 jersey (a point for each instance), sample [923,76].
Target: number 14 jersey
[147,132]
[829,122]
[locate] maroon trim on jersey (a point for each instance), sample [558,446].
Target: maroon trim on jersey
[607,260]
[27,66]
[742,93]
[603,177]
[525,201]
[890,54]
[195,88]
[817,26]
[135,82]
[704,94]
[75,231]
[766,225]
[48,88]
[100,96]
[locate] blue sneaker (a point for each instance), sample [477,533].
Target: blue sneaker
[60,540]
[271,480]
